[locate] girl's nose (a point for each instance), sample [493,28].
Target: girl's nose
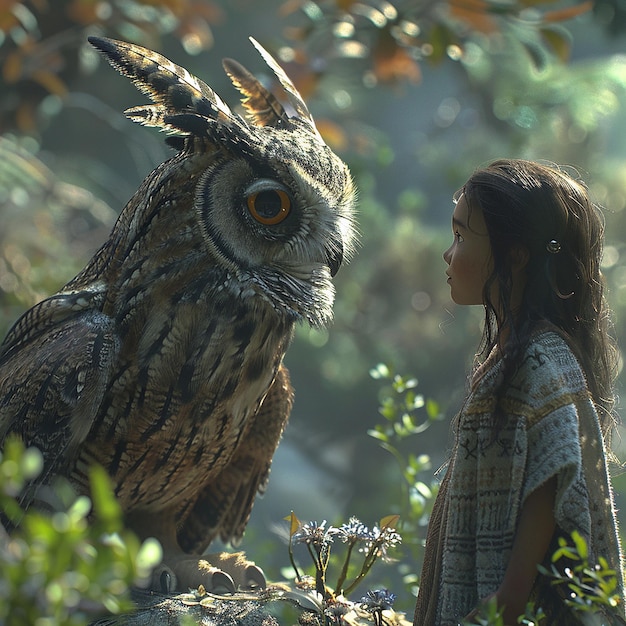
[446,255]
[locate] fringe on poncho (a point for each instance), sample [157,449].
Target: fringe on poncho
[549,428]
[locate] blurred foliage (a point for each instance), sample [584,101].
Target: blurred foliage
[390,40]
[612,15]
[47,227]
[72,564]
[43,42]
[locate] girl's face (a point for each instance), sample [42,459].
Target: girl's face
[469,257]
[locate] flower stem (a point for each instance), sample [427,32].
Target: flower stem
[293,561]
[344,570]
[370,559]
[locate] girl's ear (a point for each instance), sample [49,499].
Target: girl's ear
[519,256]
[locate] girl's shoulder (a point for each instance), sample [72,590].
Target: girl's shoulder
[549,350]
[549,376]
[547,367]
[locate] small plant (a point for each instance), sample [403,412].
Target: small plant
[375,602]
[407,413]
[69,565]
[591,588]
[372,544]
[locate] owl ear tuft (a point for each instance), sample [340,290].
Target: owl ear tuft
[185,105]
[293,95]
[172,89]
[261,105]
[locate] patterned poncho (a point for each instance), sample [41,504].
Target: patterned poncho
[549,428]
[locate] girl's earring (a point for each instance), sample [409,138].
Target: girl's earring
[553,246]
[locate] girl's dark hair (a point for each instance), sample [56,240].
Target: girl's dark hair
[540,211]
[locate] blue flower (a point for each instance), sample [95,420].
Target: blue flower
[353,531]
[380,540]
[378,600]
[314,534]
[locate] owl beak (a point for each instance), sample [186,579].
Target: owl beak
[334,258]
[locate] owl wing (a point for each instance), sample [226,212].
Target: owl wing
[54,367]
[223,509]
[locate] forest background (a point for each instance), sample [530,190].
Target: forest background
[414,95]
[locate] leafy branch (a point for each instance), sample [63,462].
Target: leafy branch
[407,413]
[590,589]
[69,565]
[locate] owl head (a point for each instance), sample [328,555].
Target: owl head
[274,204]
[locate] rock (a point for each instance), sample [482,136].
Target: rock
[278,605]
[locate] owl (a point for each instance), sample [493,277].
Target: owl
[162,360]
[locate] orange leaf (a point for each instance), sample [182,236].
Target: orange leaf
[535,3]
[83,12]
[26,118]
[389,521]
[289,7]
[50,81]
[569,13]
[12,67]
[392,62]
[334,135]
[294,523]
[558,42]
[475,14]
[7,21]
[306,82]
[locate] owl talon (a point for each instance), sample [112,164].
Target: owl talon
[163,580]
[254,578]
[221,583]
[222,573]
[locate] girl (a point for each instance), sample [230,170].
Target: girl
[529,462]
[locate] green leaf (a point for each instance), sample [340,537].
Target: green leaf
[414,401]
[151,553]
[380,371]
[424,489]
[79,509]
[432,409]
[105,506]
[377,434]
[581,545]
[31,463]
[407,421]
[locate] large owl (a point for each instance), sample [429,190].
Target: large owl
[162,360]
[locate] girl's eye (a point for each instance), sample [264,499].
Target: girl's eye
[269,207]
[457,236]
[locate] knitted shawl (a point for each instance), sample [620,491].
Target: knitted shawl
[549,428]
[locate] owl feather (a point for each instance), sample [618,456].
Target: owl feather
[295,99]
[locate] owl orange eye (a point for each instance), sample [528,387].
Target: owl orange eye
[269,207]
